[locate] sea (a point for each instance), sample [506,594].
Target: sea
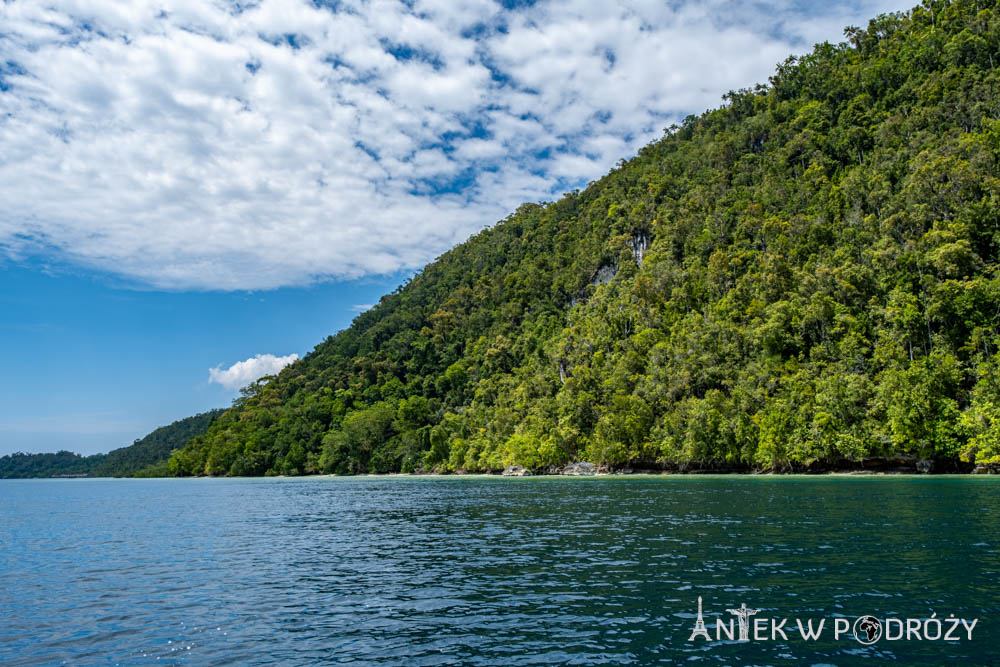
[476,570]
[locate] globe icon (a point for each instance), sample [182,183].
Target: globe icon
[867,630]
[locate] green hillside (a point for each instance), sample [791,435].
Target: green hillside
[20,465]
[146,456]
[155,448]
[805,277]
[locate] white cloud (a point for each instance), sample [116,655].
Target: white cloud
[243,373]
[215,145]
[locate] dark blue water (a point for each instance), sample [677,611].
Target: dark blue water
[488,571]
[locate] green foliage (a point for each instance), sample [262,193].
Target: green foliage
[20,465]
[803,277]
[146,457]
[154,449]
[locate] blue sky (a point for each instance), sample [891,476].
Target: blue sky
[198,185]
[90,365]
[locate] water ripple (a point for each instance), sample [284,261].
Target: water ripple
[483,571]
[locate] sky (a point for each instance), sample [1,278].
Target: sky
[194,193]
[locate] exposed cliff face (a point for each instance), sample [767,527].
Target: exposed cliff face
[604,275]
[804,277]
[639,245]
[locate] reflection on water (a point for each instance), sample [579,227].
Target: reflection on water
[476,571]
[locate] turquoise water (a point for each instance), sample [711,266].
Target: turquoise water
[489,571]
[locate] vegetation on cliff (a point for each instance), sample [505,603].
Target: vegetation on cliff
[804,276]
[145,457]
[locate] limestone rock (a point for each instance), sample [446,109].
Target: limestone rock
[579,468]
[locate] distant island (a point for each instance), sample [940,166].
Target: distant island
[805,279]
[146,457]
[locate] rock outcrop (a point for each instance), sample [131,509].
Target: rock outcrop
[579,468]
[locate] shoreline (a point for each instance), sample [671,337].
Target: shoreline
[645,474]
[889,467]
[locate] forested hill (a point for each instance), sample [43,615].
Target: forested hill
[806,276]
[146,456]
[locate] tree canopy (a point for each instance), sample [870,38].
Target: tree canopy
[147,456]
[804,276]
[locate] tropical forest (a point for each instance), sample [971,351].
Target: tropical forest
[804,278]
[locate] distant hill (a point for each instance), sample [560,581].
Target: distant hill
[140,458]
[154,448]
[805,277]
[19,465]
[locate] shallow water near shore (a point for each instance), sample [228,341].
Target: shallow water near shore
[488,570]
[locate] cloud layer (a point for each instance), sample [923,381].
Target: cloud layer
[229,145]
[243,373]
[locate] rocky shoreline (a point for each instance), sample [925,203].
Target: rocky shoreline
[893,466]
[899,465]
